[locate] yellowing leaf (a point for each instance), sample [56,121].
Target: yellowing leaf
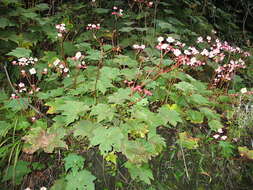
[187,141]
[245,152]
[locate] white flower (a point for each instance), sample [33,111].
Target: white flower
[32,71]
[187,52]
[216,136]
[56,62]
[78,55]
[135,46]
[142,46]
[200,40]
[224,137]
[65,70]
[13,95]
[59,35]
[23,59]
[21,85]
[170,39]
[160,39]
[208,38]
[43,188]
[220,130]
[244,90]
[177,52]
[164,46]
[205,52]
[214,32]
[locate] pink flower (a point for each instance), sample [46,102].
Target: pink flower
[147,92]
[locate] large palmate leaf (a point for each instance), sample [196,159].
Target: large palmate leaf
[20,170]
[85,128]
[103,111]
[215,125]
[195,116]
[125,60]
[120,96]
[82,180]
[40,138]
[168,115]
[142,173]
[74,162]
[72,110]
[107,138]
[198,99]
[185,87]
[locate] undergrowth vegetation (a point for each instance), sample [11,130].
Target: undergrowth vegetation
[125,95]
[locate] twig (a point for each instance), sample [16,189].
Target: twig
[186,169]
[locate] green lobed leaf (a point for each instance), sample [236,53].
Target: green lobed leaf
[20,52]
[140,173]
[103,111]
[195,116]
[74,162]
[82,180]
[120,96]
[107,138]
[215,125]
[171,116]
[20,170]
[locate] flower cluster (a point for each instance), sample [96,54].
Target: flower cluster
[60,66]
[139,47]
[61,28]
[93,27]
[220,135]
[137,88]
[78,57]
[23,61]
[181,54]
[226,71]
[217,52]
[117,12]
